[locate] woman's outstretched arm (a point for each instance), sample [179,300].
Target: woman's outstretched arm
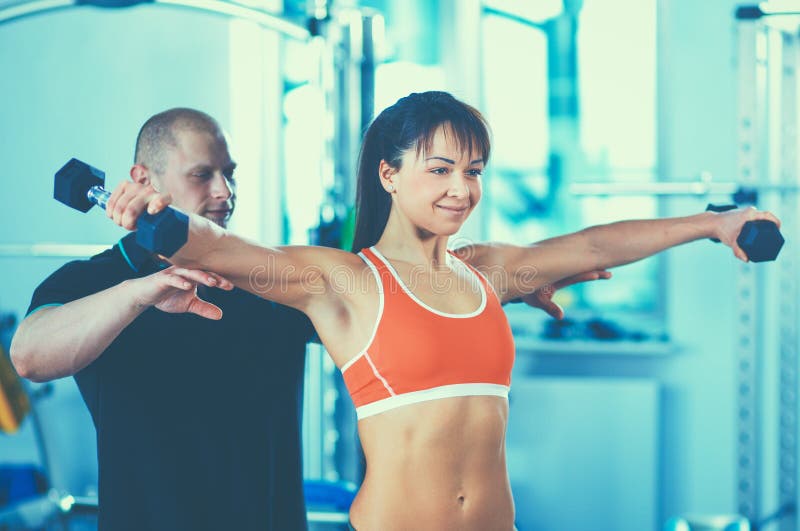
[516,270]
[291,275]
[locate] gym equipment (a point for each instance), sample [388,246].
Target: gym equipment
[764,9]
[265,19]
[14,403]
[760,239]
[80,186]
[732,522]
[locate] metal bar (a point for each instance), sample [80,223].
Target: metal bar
[98,196]
[763,9]
[750,52]
[513,17]
[50,250]
[312,412]
[788,299]
[328,517]
[698,188]
[50,505]
[653,188]
[35,7]
[263,18]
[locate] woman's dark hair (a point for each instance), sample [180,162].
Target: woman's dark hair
[411,123]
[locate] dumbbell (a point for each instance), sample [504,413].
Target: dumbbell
[760,239]
[80,186]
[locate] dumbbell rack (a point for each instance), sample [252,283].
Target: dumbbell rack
[789,292]
[767,118]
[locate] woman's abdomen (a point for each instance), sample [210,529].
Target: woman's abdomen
[436,465]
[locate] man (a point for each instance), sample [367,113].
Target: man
[196,399]
[197,417]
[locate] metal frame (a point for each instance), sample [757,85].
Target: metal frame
[788,298]
[56,507]
[50,250]
[261,17]
[354,42]
[757,82]
[704,186]
[752,78]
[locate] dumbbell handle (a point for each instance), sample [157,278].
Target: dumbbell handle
[99,196]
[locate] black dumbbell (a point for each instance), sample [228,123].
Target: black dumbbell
[80,186]
[760,239]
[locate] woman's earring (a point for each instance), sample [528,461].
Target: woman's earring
[390,188]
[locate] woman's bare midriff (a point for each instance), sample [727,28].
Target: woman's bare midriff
[436,465]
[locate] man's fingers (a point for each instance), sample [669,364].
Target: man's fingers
[204,277]
[581,277]
[554,310]
[222,282]
[179,282]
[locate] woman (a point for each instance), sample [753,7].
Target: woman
[419,334]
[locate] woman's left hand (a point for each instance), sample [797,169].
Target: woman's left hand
[729,224]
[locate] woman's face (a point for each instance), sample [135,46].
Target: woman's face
[438,188]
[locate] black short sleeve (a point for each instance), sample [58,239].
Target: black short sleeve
[302,326]
[79,279]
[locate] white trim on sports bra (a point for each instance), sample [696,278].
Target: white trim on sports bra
[377,319]
[434,393]
[478,311]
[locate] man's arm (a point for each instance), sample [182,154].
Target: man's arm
[59,341]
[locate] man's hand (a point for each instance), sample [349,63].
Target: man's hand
[543,297]
[174,290]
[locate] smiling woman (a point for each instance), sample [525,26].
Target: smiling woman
[420,336]
[455,142]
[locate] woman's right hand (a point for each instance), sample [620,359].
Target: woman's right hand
[129,200]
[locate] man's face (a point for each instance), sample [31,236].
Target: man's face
[199,175]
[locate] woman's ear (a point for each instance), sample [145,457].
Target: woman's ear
[387,172]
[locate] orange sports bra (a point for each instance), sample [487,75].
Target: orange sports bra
[418,353]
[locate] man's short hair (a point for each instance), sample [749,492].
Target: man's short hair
[157,135]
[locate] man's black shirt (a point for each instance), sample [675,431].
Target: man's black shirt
[198,421]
